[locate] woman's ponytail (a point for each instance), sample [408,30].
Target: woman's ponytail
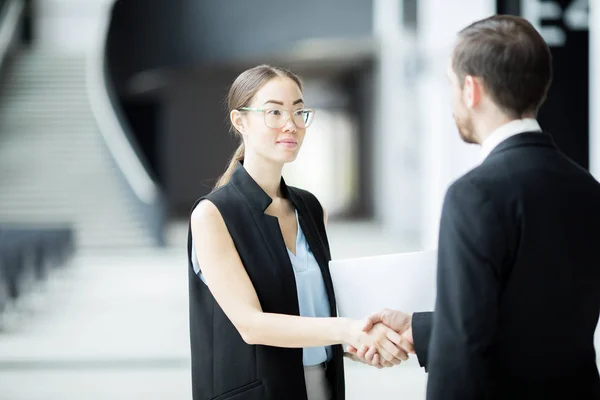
[237,157]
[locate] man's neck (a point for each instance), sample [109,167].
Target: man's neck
[491,123]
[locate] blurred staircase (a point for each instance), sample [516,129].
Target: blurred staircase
[54,166]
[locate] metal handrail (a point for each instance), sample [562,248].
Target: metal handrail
[11,13]
[111,127]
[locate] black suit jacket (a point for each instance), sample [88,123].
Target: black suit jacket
[518,287]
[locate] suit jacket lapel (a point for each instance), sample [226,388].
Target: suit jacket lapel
[282,266]
[269,229]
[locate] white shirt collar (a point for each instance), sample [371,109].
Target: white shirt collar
[508,130]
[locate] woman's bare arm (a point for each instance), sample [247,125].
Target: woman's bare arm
[229,283]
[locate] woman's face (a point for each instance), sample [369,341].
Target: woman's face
[275,133]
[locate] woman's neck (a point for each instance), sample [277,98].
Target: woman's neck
[266,174]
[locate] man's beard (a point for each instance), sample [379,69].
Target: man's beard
[465,130]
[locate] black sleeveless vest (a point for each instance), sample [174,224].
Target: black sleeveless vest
[223,365]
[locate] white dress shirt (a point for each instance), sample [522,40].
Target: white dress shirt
[506,131]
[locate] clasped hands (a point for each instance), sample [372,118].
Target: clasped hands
[385,339]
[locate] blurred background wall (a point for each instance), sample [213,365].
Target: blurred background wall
[384,146]
[113,122]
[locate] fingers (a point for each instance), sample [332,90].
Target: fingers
[386,353]
[372,320]
[351,353]
[356,354]
[386,364]
[393,346]
[391,352]
[370,356]
[407,341]
[397,320]
[393,336]
[381,363]
[361,354]
[408,346]
[377,362]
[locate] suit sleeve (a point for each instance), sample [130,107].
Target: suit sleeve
[472,245]
[421,330]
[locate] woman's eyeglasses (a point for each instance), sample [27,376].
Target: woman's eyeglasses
[276,118]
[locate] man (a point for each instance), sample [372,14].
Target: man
[518,289]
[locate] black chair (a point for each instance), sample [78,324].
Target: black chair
[27,256]
[16,257]
[4,291]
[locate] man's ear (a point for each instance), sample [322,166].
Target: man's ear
[472,91]
[237,121]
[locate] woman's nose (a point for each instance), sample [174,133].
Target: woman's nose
[289,125]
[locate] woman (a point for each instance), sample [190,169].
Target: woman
[262,307]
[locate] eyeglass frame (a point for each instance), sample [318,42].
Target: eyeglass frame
[259,109]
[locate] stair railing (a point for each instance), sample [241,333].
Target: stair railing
[119,141]
[11,12]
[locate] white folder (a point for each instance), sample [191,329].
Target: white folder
[404,281]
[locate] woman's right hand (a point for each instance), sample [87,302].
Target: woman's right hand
[384,339]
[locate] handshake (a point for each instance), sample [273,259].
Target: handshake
[384,339]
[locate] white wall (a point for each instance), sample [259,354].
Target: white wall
[444,157]
[417,149]
[595,88]
[70,25]
[327,164]
[396,166]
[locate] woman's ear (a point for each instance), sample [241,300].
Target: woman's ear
[237,121]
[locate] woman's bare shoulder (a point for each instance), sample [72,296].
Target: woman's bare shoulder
[206,214]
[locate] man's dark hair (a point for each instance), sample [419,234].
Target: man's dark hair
[511,58]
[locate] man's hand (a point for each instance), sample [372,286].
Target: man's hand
[396,320]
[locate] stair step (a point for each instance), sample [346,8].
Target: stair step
[54,164]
